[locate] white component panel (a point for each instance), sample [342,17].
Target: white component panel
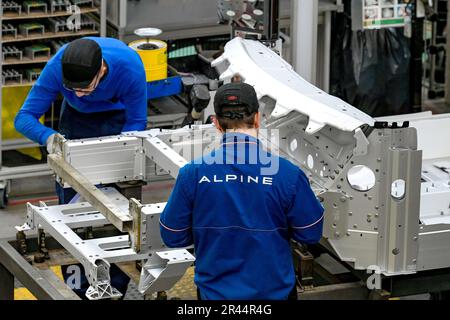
[435,192]
[433,132]
[432,136]
[271,76]
[105,160]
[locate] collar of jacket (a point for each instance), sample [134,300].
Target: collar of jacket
[236,137]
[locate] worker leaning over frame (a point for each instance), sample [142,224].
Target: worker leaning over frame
[239,219]
[105,93]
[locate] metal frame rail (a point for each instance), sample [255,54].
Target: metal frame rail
[46,287]
[41,285]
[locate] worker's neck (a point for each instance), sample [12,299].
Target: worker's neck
[251,132]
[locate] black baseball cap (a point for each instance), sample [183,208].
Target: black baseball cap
[81,62]
[237,94]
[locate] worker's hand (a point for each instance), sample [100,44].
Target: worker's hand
[49,143]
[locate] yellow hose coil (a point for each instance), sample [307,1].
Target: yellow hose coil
[153,54]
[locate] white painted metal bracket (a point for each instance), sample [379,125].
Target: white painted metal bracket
[163,270]
[273,77]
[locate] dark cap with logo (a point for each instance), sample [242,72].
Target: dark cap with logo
[81,62]
[234,100]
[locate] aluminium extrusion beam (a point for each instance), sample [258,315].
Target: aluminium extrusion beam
[338,291]
[14,144]
[105,160]
[94,254]
[164,156]
[163,266]
[119,218]
[85,251]
[34,170]
[7,284]
[31,278]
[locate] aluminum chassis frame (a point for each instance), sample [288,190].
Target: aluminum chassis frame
[322,134]
[162,267]
[42,285]
[137,156]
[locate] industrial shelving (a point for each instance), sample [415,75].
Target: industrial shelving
[8,16]
[49,35]
[93,16]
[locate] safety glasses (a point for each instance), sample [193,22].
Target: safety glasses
[89,89]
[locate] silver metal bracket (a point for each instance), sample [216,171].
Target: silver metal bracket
[102,290]
[163,270]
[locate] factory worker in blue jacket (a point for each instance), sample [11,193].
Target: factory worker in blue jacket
[239,212]
[104,87]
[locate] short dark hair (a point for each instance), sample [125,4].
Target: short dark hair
[247,122]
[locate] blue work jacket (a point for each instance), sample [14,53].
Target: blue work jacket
[240,214]
[123,88]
